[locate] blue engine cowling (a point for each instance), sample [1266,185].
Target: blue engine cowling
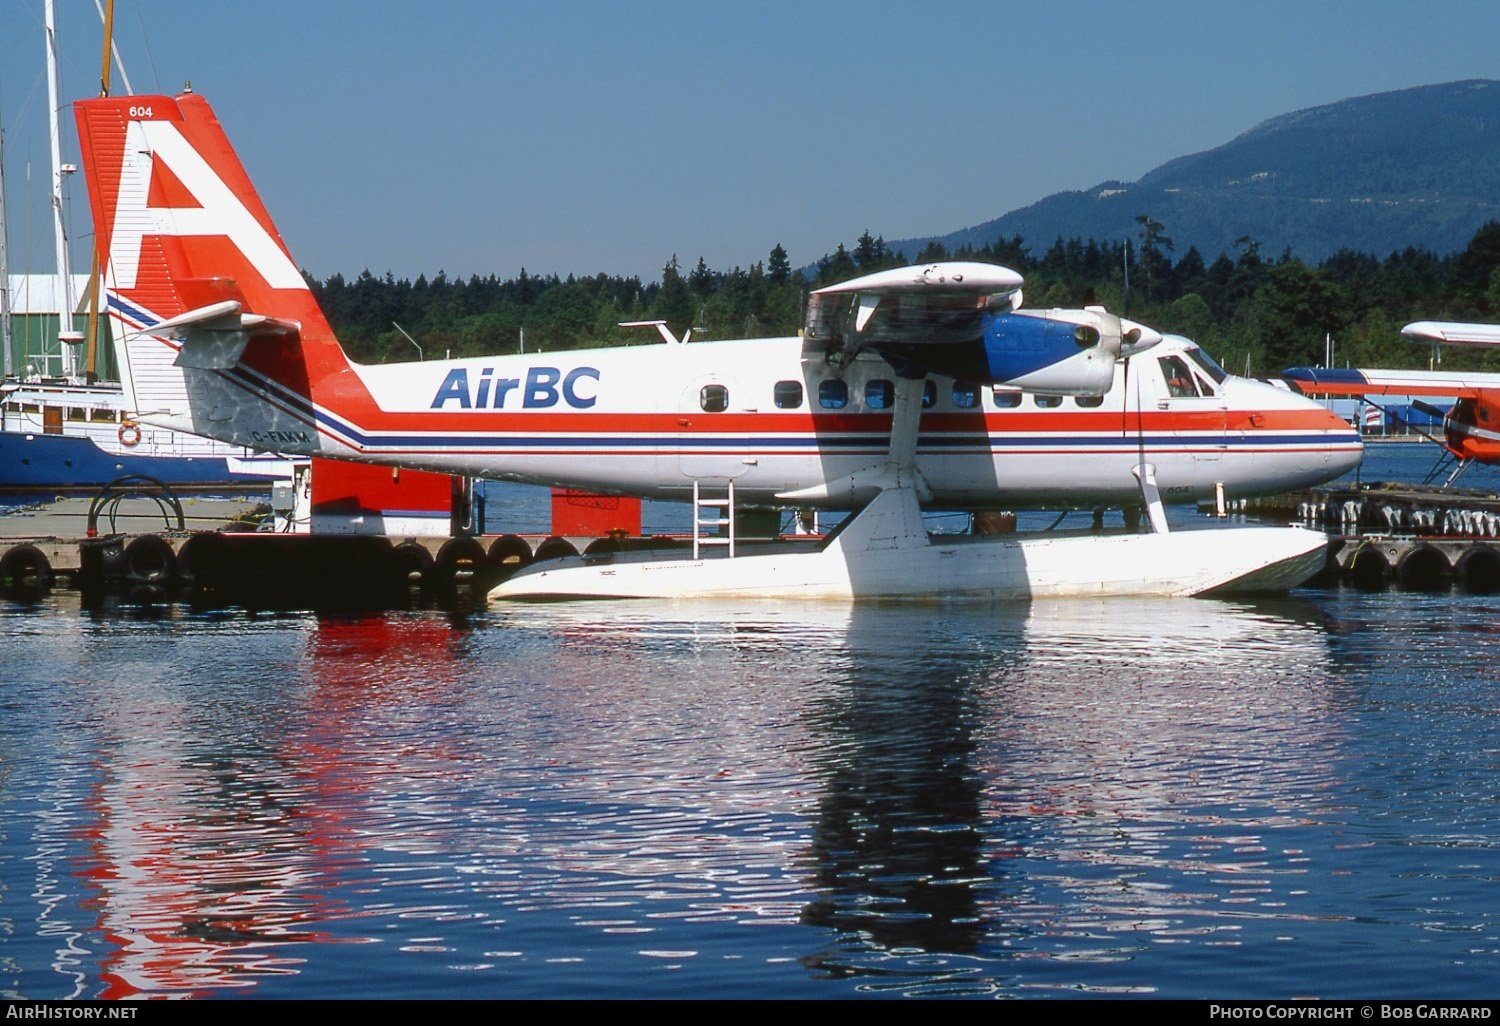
[1017,347]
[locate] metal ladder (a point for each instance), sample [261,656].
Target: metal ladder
[721,515]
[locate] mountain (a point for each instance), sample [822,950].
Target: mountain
[1417,167]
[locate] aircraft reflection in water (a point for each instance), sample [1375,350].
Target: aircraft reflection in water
[1054,760]
[897,849]
[1000,754]
[918,790]
[225,842]
[214,847]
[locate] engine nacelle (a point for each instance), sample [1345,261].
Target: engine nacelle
[1058,352]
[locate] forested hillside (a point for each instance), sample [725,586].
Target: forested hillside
[1416,167]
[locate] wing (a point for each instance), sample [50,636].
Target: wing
[1454,333]
[1458,384]
[1336,382]
[962,319]
[937,303]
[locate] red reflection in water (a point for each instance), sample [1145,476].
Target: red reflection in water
[212,852]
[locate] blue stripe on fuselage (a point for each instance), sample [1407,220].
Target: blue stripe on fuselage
[877,442]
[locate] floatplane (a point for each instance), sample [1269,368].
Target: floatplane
[221,336]
[1471,427]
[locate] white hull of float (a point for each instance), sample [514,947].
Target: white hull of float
[1221,561]
[1246,560]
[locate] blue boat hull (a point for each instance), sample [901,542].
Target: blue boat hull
[36,462]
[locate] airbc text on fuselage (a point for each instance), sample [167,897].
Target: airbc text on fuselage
[542,387]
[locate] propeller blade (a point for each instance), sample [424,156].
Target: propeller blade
[1111,332]
[1119,336]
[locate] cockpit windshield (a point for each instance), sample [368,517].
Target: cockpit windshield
[1190,372]
[1208,363]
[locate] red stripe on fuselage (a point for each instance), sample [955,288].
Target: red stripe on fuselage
[356,406]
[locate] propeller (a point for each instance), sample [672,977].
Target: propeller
[1104,338]
[1114,334]
[1435,412]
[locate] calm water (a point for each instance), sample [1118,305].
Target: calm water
[1169,799]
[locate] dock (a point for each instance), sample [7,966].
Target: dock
[1412,537]
[160,548]
[153,548]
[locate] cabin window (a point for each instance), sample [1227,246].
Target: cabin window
[103,415]
[1047,402]
[1089,402]
[1180,381]
[879,394]
[929,394]
[788,395]
[1007,400]
[713,398]
[833,394]
[965,395]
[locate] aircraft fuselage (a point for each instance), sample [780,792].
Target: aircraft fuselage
[782,421]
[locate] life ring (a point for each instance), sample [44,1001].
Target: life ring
[129,433]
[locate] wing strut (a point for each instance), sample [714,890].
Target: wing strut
[893,519]
[1145,473]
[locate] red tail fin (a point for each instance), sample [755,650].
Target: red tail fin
[180,228]
[178,222]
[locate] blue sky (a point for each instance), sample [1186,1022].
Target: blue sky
[481,137]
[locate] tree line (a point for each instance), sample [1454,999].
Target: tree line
[1255,314]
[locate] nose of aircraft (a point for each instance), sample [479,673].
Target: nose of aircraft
[1345,449]
[1300,443]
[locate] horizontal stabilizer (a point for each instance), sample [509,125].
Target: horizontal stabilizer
[214,336]
[226,314]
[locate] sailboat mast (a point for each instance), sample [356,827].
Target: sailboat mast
[66,335]
[4,265]
[109,36]
[108,17]
[96,258]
